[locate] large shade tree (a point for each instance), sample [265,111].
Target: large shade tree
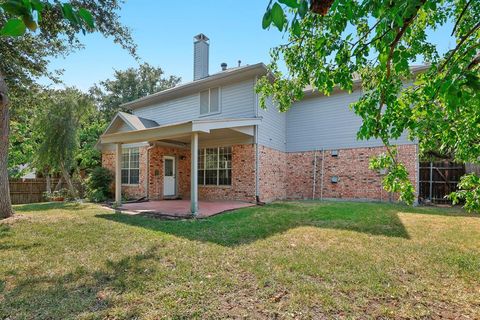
[331,43]
[32,31]
[128,85]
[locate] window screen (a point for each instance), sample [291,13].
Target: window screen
[130,166]
[215,166]
[210,101]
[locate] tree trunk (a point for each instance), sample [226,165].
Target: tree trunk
[6,209]
[49,183]
[68,180]
[59,184]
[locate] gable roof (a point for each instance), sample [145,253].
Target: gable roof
[133,121]
[232,74]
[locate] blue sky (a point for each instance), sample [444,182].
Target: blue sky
[164,33]
[164,30]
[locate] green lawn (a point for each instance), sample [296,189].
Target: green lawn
[285,260]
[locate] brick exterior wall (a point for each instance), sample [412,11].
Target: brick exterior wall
[243,178]
[273,174]
[182,162]
[281,175]
[294,180]
[130,191]
[243,174]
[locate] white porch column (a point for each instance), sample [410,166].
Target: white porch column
[194,174]
[118,174]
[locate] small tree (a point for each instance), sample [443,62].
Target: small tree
[58,131]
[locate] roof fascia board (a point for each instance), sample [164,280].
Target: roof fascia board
[151,134]
[212,125]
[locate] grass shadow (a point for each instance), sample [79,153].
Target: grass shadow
[250,224]
[4,230]
[45,206]
[77,293]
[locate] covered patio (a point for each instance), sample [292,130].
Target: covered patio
[190,136]
[182,208]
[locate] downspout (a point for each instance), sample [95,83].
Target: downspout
[321,180]
[147,189]
[257,167]
[257,153]
[417,178]
[314,174]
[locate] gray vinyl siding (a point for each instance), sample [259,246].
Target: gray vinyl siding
[272,131]
[237,101]
[124,127]
[327,122]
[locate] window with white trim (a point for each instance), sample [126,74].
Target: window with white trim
[210,101]
[130,166]
[215,166]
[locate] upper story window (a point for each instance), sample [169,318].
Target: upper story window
[130,166]
[210,101]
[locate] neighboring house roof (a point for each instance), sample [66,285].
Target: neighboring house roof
[357,81]
[232,74]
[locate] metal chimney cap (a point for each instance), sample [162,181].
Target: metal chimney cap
[224,66]
[201,37]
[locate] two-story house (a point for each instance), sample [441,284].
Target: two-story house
[209,139]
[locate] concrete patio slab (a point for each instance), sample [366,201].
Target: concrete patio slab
[181,208]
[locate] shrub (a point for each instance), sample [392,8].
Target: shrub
[98,184]
[58,195]
[469,192]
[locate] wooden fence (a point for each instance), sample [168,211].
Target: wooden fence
[438,179]
[29,190]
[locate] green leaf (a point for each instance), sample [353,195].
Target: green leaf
[291,3]
[296,30]
[29,22]
[383,59]
[13,28]
[69,14]
[267,19]
[87,17]
[303,8]
[278,17]
[15,7]
[37,5]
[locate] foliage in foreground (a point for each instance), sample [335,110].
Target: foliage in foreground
[334,43]
[469,192]
[24,56]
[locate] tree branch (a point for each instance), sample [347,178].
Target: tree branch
[460,18]
[460,43]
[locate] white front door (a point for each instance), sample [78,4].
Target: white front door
[169,176]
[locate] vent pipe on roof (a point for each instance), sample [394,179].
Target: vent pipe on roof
[200,56]
[224,66]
